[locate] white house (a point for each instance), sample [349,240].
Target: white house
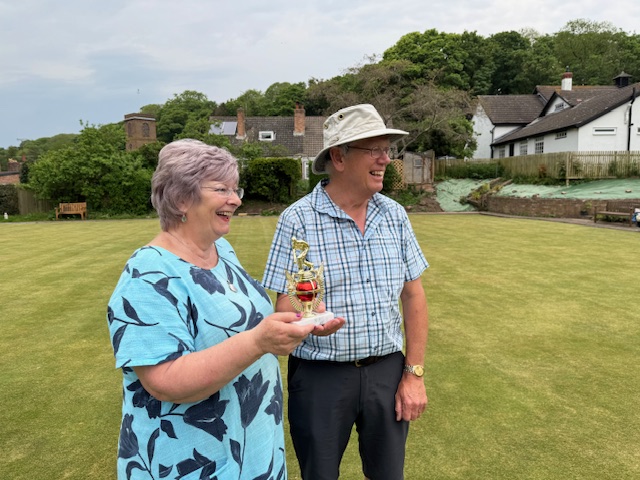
[586,118]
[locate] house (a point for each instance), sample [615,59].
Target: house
[557,119]
[12,175]
[298,136]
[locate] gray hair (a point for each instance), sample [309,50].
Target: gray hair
[183,166]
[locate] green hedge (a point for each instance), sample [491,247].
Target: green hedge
[9,200]
[273,179]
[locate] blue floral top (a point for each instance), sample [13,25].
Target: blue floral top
[162,308]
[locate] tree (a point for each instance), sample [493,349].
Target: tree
[251,101]
[510,52]
[450,60]
[281,98]
[95,169]
[175,114]
[591,50]
[542,67]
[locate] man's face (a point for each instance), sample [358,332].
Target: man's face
[365,163]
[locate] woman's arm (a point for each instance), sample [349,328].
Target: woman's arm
[198,375]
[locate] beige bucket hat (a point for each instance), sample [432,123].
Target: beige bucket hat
[350,124]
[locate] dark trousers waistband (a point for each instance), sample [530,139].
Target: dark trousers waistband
[363,362]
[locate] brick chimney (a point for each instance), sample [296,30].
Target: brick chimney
[241,132]
[298,120]
[567,81]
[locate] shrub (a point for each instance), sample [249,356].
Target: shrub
[8,200]
[273,179]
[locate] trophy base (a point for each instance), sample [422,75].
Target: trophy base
[316,319]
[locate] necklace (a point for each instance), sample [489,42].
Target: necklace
[191,250]
[232,287]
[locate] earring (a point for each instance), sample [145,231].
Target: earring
[184,218]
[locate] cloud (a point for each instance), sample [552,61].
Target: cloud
[97,61]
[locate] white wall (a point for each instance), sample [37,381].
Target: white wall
[482,127]
[588,141]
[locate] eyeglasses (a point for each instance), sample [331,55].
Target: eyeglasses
[226,192]
[375,152]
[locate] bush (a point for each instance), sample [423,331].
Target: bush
[273,179]
[9,200]
[475,170]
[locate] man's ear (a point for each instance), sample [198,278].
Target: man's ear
[336,156]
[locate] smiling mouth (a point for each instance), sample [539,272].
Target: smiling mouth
[225,214]
[377,173]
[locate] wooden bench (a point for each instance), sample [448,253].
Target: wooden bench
[617,209]
[79,208]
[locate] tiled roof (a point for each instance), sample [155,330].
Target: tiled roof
[582,113]
[576,92]
[307,145]
[511,109]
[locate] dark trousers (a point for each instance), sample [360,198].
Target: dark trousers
[327,398]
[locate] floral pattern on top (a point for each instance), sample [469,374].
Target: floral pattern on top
[162,308]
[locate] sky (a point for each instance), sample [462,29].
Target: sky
[73,62]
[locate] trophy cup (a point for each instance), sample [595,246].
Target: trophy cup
[305,288]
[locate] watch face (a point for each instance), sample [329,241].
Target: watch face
[418,370]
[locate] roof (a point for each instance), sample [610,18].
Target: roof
[511,109]
[577,91]
[307,145]
[582,113]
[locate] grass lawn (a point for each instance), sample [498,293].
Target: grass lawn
[532,364]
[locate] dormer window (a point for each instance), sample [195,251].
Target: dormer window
[266,136]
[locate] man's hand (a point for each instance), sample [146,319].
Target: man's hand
[411,397]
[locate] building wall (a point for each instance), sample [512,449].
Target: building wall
[617,118]
[140,129]
[482,127]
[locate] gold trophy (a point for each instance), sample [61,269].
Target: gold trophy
[306,287]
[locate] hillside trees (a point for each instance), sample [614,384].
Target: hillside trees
[96,169]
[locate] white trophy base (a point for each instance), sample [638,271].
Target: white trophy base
[316,319]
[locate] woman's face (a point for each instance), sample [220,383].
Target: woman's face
[218,202]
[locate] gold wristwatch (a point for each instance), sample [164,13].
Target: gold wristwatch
[417,370]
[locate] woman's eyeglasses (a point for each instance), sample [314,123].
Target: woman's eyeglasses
[226,192]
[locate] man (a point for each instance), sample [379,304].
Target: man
[372,263]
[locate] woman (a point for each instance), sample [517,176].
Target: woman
[196,336]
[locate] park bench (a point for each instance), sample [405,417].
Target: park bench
[79,208]
[617,208]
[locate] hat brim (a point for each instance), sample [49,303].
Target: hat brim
[319,163]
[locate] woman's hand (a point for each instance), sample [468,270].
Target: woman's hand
[278,334]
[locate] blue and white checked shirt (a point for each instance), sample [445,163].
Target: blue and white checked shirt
[364,274]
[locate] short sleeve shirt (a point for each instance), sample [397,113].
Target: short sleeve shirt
[364,274]
[162,308]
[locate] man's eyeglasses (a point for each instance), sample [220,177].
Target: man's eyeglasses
[226,192]
[375,152]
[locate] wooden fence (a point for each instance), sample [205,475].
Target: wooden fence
[28,203]
[564,165]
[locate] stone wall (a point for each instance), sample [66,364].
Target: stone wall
[543,207]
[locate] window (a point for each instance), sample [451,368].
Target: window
[266,136]
[560,135]
[604,130]
[524,146]
[418,162]
[501,152]
[539,145]
[145,129]
[559,106]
